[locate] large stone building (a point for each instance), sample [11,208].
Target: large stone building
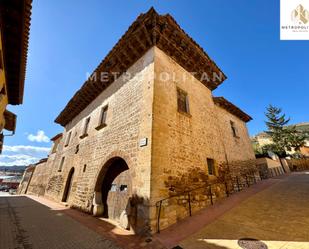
[124,137]
[14,35]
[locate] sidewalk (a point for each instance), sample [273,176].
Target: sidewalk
[273,214]
[171,236]
[123,238]
[27,224]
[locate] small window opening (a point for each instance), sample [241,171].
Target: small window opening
[234,129]
[61,164]
[123,188]
[68,139]
[182,101]
[211,166]
[86,126]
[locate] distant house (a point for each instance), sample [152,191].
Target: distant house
[11,182]
[263,138]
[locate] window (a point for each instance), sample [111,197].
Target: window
[84,168]
[61,164]
[211,166]
[234,130]
[68,139]
[103,115]
[182,101]
[86,126]
[77,149]
[123,188]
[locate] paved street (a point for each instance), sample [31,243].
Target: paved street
[27,224]
[278,217]
[273,214]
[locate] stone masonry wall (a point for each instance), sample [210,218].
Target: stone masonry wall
[129,119]
[182,142]
[237,148]
[23,185]
[40,179]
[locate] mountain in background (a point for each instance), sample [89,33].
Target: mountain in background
[13,168]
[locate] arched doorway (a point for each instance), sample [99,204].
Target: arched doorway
[114,188]
[68,186]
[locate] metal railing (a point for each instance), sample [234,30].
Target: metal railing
[231,185]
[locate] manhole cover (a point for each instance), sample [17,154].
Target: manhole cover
[248,243]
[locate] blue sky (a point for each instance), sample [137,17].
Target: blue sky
[70,38]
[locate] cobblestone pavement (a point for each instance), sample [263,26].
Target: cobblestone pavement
[26,224]
[277,217]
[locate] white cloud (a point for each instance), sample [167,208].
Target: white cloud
[17,160]
[25,149]
[22,155]
[39,137]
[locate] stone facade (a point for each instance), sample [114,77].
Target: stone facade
[39,179]
[182,142]
[124,162]
[129,119]
[23,185]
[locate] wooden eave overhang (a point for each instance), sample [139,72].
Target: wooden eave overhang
[56,137]
[10,121]
[15,27]
[30,167]
[233,109]
[43,160]
[148,30]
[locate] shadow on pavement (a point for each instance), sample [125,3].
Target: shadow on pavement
[38,226]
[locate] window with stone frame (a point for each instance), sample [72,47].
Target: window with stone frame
[67,141]
[182,101]
[211,166]
[86,127]
[61,164]
[234,129]
[103,116]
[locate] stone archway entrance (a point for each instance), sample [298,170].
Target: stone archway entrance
[113,191]
[68,186]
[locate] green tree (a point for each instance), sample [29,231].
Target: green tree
[275,124]
[295,139]
[284,137]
